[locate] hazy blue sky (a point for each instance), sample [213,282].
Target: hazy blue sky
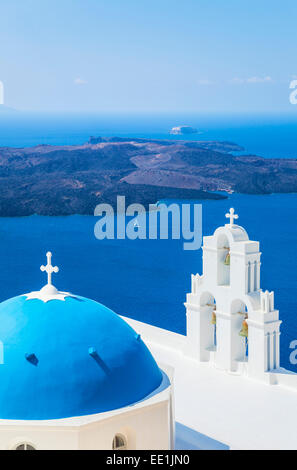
[148,55]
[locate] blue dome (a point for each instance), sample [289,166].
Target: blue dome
[69,358]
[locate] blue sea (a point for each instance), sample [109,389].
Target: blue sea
[148,279]
[266,135]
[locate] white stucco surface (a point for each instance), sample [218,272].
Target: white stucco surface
[238,411]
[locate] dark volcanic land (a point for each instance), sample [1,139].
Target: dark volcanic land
[62,180]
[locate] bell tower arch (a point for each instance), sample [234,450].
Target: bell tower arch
[246,323]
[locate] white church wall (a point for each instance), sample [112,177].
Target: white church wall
[224,341]
[40,437]
[209,258]
[193,328]
[145,428]
[283,377]
[238,346]
[223,270]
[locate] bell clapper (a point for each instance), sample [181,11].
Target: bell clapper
[227,259]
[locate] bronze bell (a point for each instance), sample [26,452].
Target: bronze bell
[213,319]
[227,259]
[244,329]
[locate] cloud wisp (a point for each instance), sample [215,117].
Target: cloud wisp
[237,81]
[252,80]
[205,82]
[80,81]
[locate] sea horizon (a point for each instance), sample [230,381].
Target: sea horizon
[267,135]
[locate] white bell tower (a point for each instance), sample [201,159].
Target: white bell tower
[231,322]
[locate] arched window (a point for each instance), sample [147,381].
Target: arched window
[24,446]
[119,442]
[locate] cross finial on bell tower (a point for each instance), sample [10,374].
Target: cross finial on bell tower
[231,215]
[49,268]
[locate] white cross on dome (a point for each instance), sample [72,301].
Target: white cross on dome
[48,292]
[231,215]
[49,268]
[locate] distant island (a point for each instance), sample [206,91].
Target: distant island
[180,130]
[62,180]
